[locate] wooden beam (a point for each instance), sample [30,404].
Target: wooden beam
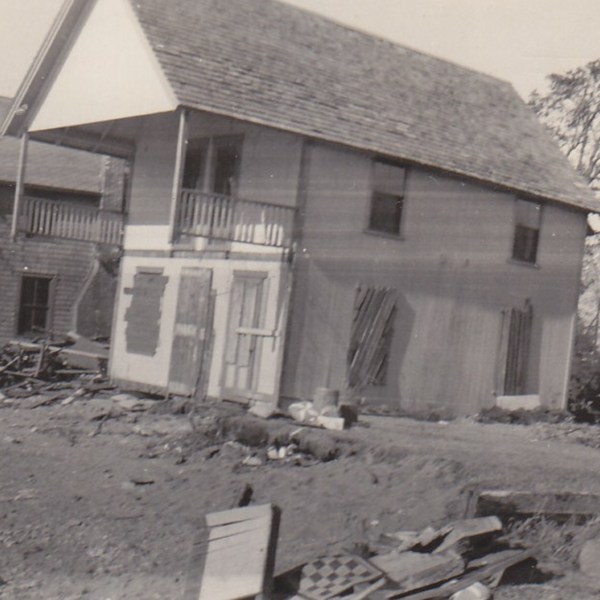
[19,186]
[178,171]
[561,505]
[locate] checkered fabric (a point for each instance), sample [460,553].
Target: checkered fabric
[329,576]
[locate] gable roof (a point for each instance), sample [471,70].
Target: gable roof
[273,64]
[50,166]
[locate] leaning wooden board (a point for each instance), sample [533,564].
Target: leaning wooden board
[234,554]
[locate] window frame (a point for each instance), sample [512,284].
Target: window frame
[525,247]
[384,193]
[209,146]
[49,308]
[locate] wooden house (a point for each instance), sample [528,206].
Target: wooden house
[54,279]
[310,206]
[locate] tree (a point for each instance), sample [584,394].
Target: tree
[571,111]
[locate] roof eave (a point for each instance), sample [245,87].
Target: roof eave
[586,205]
[48,60]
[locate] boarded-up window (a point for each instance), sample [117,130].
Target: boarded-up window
[387,201]
[527,231]
[513,357]
[371,336]
[34,304]
[144,313]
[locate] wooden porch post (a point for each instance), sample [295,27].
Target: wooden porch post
[178,172]
[19,187]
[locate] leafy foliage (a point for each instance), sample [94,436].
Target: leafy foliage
[584,386]
[571,111]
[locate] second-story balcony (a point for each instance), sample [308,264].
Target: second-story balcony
[216,216]
[69,220]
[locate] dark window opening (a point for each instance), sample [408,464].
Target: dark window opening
[212,166]
[386,213]
[525,244]
[527,231]
[387,201]
[227,159]
[194,168]
[34,305]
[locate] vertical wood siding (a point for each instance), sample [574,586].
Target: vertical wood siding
[453,274]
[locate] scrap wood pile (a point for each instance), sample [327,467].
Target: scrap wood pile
[234,557]
[53,370]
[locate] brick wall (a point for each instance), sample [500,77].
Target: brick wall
[68,262]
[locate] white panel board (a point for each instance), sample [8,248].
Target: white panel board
[110,73]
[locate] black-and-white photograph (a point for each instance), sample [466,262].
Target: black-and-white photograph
[299,300]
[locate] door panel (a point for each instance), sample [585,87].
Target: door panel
[242,346]
[191,331]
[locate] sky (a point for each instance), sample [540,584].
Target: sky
[521,41]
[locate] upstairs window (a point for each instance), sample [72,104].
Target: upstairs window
[34,305]
[527,231]
[212,165]
[387,200]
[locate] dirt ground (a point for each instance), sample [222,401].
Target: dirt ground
[100,501]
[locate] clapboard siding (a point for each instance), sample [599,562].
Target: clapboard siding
[453,275]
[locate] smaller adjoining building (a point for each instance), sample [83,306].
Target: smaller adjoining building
[55,277]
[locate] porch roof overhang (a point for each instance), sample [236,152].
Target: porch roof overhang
[111,138]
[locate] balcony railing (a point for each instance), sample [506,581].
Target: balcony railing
[70,221]
[225,218]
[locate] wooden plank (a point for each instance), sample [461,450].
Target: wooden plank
[494,564]
[415,570]
[19,186]
[364,594]
[191,330]
[237,515]
[554,504]
[469,529]
[182,132]
[234,557]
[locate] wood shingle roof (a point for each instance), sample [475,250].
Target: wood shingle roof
[273,64]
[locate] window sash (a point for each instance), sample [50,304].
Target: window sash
[386,213]
[212,165]
[34,304]
[527,231]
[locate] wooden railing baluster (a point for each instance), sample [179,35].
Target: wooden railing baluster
[70,221]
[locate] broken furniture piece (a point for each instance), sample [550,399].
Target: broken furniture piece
[234,556]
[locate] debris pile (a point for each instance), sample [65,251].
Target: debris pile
[46,372]
[464,560]
[251,442]
[326,410]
